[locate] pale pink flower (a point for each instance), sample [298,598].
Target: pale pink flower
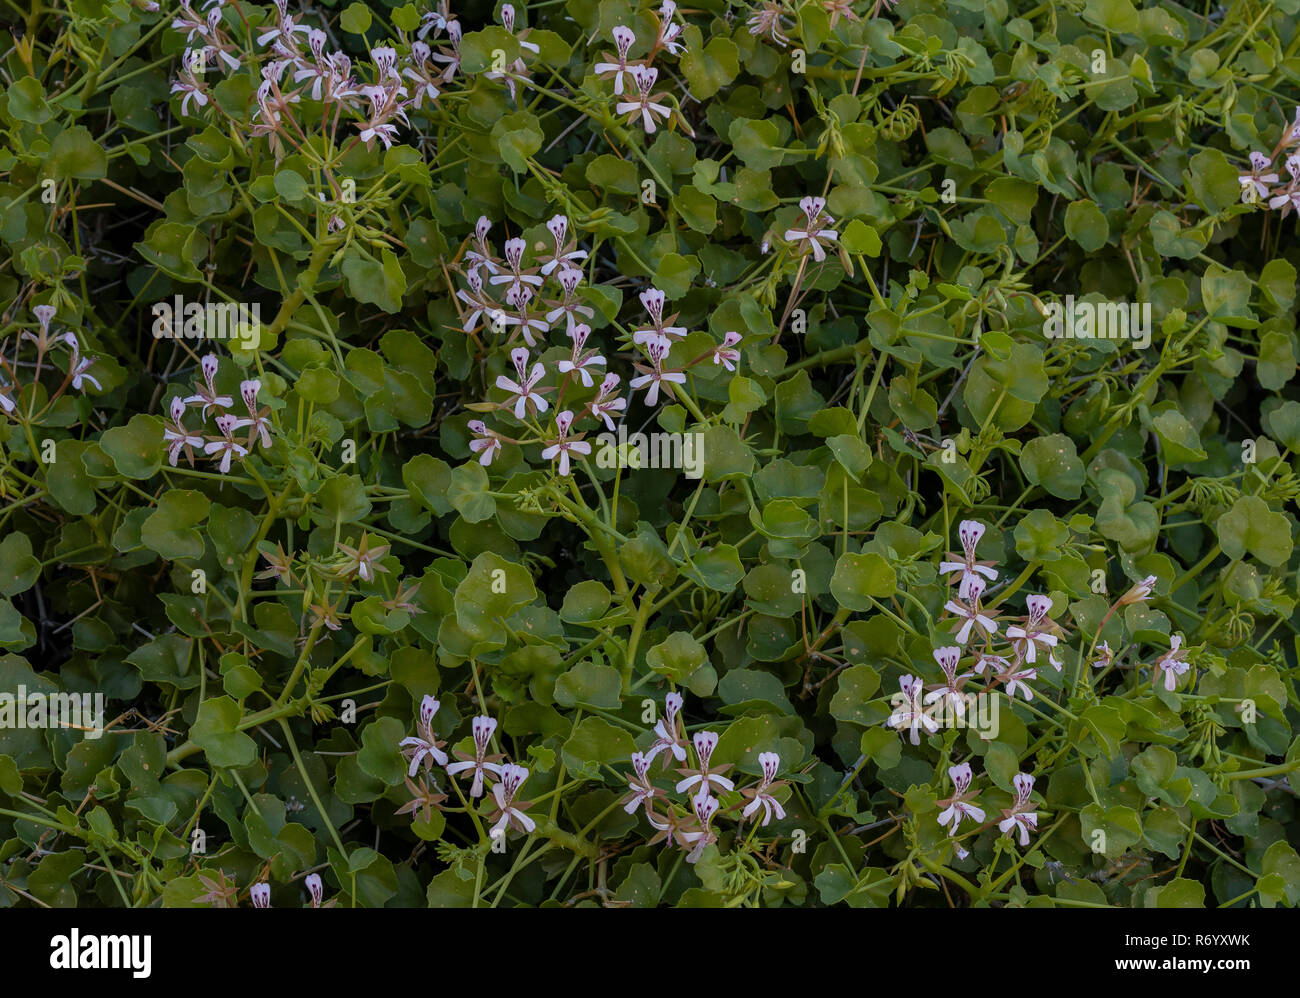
[1027,638]
[617,65]
[510,813]
[1172,663]
[645,104]
[762,794]
[579,361]
[480,763]
[958,808]
[702,776]
[225,445]
[909,712]
[727,355]
[485,444]
[608,401]
[816,228]
[1018,815]
[424,748]
[563,445]
[669,737]
[523,389]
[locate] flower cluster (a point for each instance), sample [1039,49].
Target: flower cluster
[1003,656]
[296,65]
[961,806]
[689,824]
[424,749]
[45,339]
[1257,183]
[522,296]
[225,444]
[635,79]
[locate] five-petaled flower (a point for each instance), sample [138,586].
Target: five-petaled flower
[617,65]
[1018,815]
[226,445]
[564,444]
[524,390]
[909,711]
[655,376]
[481,763]
[486,444]
[177,437]
[1026,639]
[702,776]
[640,789]
[958,807]
[950,690]
[727,355]
[509,812]
[761,795]
[970,614]
[424,748]
[970,532]
[646,105]
[816,229]
[668,736]
[1172,663]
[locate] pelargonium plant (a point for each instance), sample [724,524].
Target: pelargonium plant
[620,453]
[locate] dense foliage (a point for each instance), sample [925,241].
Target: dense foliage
[954,564]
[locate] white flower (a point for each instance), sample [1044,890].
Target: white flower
[705,807]
[177,437]
[910,713]
[225,444]
[523,388]
[1254,184]
[623,39]
[424,747]
[579,361]
[258,421]
[655,375]
[640,789]
[315,888]
[970,532]
[485,444]
[260,895]
[816,228]
[510,813]
[563,445]
[1026,639]
[669,738]
[771,763]
[727,355]
[948,658]
[607,401]
[645,104]
[480,762]
[1017,816]
[705,742]
[79,375]
[1172,663]
[958,806]
[970,613]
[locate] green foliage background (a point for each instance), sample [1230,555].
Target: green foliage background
[825,452]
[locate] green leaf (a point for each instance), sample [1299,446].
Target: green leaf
[858,578]
[215,731]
